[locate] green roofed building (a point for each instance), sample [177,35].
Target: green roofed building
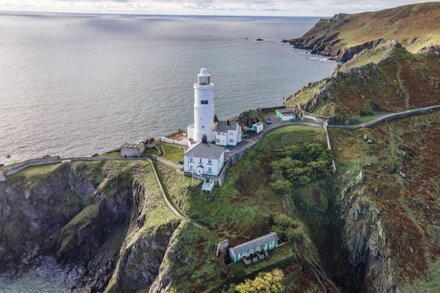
[254,250]
[285,115]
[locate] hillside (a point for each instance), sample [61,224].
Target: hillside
[342,36]
[386,78]
[389,202]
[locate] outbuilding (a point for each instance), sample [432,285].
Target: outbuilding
[258,127]
[132,150]
[254,250]
[285,115]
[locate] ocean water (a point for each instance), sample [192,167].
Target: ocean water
[82,84]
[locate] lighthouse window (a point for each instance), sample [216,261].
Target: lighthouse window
[204,102]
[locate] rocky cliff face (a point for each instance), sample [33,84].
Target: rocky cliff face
[365,240]
[86,217]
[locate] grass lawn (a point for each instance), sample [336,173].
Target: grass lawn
[172,153]
[151,151]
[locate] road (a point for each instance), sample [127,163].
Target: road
[277,123]
[390,117]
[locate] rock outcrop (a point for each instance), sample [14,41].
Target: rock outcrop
[344,35]
[365,240]
[92,219]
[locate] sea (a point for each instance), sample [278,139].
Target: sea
[80,84]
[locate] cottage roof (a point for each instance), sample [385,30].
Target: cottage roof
[222,126]
[285,111]
[136,146]
[205,150]
[260,241]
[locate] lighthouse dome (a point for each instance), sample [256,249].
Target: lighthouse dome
[204,72]
[204,78]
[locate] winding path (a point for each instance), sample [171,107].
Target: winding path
[390,117]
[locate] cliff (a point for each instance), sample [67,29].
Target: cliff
[384,79]
[388,203]
[100,218]
[344,35]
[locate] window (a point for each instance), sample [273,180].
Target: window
[209,170]
[209,161]
[204,102]
[190,159]
[217,140]
[231,140]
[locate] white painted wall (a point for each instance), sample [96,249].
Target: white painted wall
[203,108]
[229,138]
[215,166]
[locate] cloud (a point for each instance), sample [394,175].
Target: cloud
[209,7]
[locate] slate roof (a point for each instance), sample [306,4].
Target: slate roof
[260,241]
[205,150]
[132,146]
[222,126]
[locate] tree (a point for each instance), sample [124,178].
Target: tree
[281,186]
[270,282]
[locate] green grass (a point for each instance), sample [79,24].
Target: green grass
[172,153]
[43,170]
[151,151]
[35,176]
[306,94]
[157,211]
[177,186]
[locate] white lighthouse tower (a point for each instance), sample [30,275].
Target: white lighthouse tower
[203,107]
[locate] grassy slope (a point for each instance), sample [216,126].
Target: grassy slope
[361,90]
[240,211]
[409,206]
[416,26]
[404,24]
[172,152]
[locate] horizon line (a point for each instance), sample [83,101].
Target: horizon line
[23,12]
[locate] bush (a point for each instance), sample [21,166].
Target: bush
[302,163]
[270,282]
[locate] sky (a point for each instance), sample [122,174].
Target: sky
[205,7]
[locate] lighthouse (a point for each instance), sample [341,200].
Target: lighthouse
[203,107]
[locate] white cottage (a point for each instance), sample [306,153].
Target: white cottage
[257,127]
[204,159]
[227,133]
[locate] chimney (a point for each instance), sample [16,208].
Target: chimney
[227,122]
[204,139]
